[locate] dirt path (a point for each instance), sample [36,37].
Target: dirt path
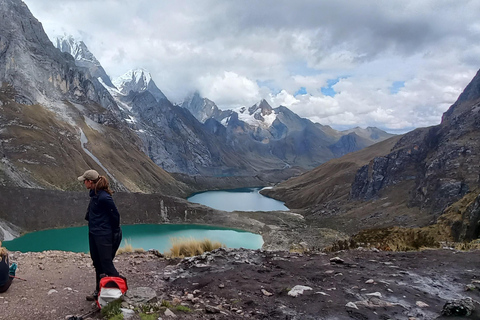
[240,284]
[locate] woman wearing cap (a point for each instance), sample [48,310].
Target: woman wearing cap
[104,232]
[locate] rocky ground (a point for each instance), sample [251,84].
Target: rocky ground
[240,284]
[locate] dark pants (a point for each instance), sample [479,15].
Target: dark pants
[102,251]
[6,285]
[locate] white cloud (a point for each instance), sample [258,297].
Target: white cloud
[238,52]
[229,89]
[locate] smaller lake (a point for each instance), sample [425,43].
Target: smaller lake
[244,199]
[145,236]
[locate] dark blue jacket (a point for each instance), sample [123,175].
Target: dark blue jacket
[102,214]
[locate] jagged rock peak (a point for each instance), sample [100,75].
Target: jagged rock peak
[200,108]
[138,80]
[83,57]
[77,49]
[263,106]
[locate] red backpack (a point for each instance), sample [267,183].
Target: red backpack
[111,288]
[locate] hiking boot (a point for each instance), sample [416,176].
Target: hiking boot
[93,296]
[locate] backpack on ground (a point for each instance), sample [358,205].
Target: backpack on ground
[111,288]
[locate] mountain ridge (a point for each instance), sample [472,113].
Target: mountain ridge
[259,131]
[411,183]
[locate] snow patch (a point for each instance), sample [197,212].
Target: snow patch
[131,119]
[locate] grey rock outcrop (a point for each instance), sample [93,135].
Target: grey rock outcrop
[443,161]
[57,119]
[83,57]
[204,109]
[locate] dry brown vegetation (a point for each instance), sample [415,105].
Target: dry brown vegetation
[189,247]
[46,149]
[128,248]
[436,235]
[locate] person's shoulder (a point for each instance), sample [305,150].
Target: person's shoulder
[102,194]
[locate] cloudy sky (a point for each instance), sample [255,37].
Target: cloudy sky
[396,65]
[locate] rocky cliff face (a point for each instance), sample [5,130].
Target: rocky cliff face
[405,181]
[56,119]
[442,160]
[203,109]
[83,57]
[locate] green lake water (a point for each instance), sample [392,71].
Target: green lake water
[244,199]
[153,236]
[145,236]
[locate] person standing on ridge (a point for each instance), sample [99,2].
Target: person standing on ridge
[104,232]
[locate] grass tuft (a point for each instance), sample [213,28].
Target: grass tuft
[112,310]
[183,308]
[144,316]
[189,247]
[128,248]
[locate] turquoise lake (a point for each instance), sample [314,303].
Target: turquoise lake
[145,236]
[153,236]
[244,199]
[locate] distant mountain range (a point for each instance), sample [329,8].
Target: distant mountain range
[61,112]
[220,142]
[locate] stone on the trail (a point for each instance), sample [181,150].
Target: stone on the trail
[351,305]
[337,260]
[140,295]
[421,304]
[461,307]
[374,294]
[266,293]
[470,287]
[127,313]
[211,309]
[52,291]
[298,290]
[169,313]
[369,281]
[375,302]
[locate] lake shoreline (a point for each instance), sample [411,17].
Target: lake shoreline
[141,236]
[240,199]
[280,230]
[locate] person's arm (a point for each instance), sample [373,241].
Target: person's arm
[87,215]
[112,212]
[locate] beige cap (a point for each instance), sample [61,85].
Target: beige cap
[89,175]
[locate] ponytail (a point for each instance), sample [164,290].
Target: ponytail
[102,184]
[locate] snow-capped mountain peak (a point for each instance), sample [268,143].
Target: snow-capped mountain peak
[138,80]
[83,57]
[262,108]
[260,114]
[76,48]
